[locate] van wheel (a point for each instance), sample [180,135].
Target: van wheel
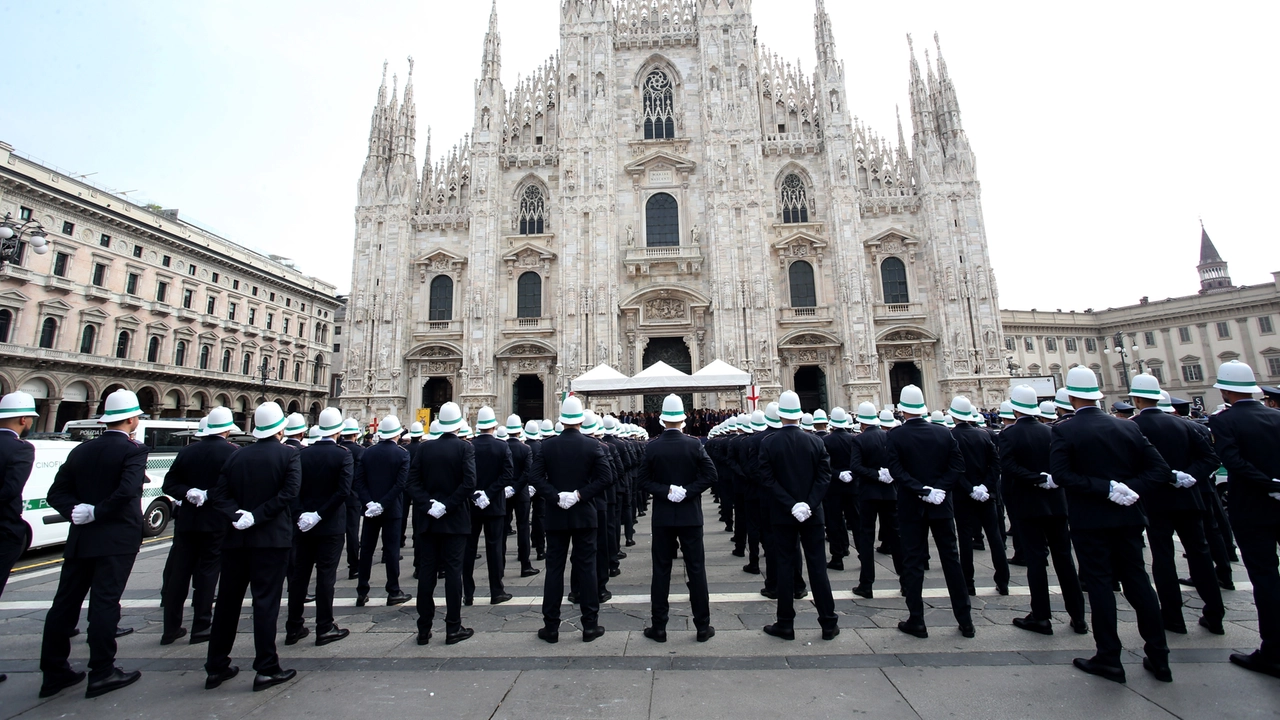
[26,539]
[156,519]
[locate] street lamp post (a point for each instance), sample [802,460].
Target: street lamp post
[265,376]
[11,238]
[1123,352]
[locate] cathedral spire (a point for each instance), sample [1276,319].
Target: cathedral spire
[407,122]
[922,126]
[824,38]
[948,107]
[1212,268]
[491,64]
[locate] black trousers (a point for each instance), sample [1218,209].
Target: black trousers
[495,546]
[790,540]
[865,538]
[1258,551]
[840,510]
[194,561]
[10,550]
[770,567]
[746,527]
[602,549]
[354,512]
[583,541]
[521,508]
[389,529]
[724,495]
[915,531]
[972,519]
[695,566]
[103,580]
[438,551]
[538,523]
[261,571]
[1111,554]
[627,512]
[404,521]
[614,531]
[1044,537]
[322,552]
[1165,573]
[1217,540]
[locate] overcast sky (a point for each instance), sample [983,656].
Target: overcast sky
[1103,130]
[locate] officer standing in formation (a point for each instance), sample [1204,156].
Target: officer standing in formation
[519,503]
[379,481]
[17,456]
[495,473]
[350,433]
[976,493]
[840,505]
[876,497]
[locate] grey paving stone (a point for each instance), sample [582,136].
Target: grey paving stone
[462,695]
[717,695]
[613,694]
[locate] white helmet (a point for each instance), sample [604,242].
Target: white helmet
[202,431]
[912,401]
[839,418]
[571,411]
[450,417]
[17,405]
[546,428]
[771,417]
[122,405]
[435,431]
[350,426]
[1006,409]
[1023,400]
[789,406]
[937,418]
[220,420]
[1166,402]
[806,422]
[295,425]
[820,417]
[757,422]
[415,430]
[673,409]
[962,409]
[867,414]
[501,433]
[1235,376]
[887,420]
[1062,400]
[1083,383]
[1145,386]
[486,418]
[330,421]
[1048,410]
[389,428]
[268,419]
[531,430]
[515,428]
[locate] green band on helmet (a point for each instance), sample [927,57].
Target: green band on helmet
[913,406]
[789,410]
[392,431]
[672,413]
[868,418]
[22,409]
[330,428]
[450,423]
[571,416]
[1032,406]
[1234,383]
[121,411]
[222,426]
[269,428]
[1073,388]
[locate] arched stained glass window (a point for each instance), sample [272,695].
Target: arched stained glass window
[529,295]
[659,107]
[662,221]
[533,209]
[893,279]
[803,292]
[795,200]
[441,298]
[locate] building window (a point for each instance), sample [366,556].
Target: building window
[137,251]
[226,361]
[246,363]
[800,278]
[153,349]
[662,221]
[68,227]
[254,291]
[1264,325]
[441,307]
[122,345]
[1029,344]
[1091,345]
[1071,344]
[528,296]
[1184,335]
[210,305]
[6,322]
[272,297]
[284,326]
[1051,344]
[659,107]
[87,336]
[214,278]
[1273,366]
[1149,339]
[131,284]
[204,357]
[288,302]
[166,261]
[231,311]
[297,372]
[315,372]
[280,370]
[302,327]
[188,295]
[532,211]
[24,213]
[1192,373]
[191,270]
[893,281]
[180,353]
[105,241]
[337,331]
[162,291]
[337,347]
[48,333]
[1009,344]
[99,274]
[1224,330]
[270,320]
[795,201]
[60,261]
[253,316]
[1157,372]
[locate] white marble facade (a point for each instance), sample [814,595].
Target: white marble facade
[664,187]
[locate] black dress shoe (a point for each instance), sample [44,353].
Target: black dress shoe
[424,638]
[968,630]
[830,633]
[1080,627]
[620,555]
[262,682]
[116,680]
[800,594]
[308,600]
[1178,629]
[53,686]
[398,599]
[1017,560]
[169,639]
[500,598]
[468,600]
[1044,627]
[213,680]
[1186,582]
[440,574]
[1160,670]
[1253,661]
[1003,589]
[353,574]
[591,634]
[332,636]
[706,633]
[454,638]
[863,591]
[919,631]
[549,635]
[973,592]
[573,598]
[656,634]
[836,564]
[1110,672]
[614,572]
[529,572]
[543,555]
[606,596]
[1213,626]
[884,550]
[739,552]
[362,600]
[778,632]
[292,638]
[1228,585]
[752,568]
[629,543]
[121,632]
[200,637]
[771,594]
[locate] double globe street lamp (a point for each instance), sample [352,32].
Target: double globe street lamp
[12,234]
[1120,350]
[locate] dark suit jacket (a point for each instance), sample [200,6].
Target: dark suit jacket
[443,470]
[294,443]
[1091,450]
[867,454]
[198,466]
[1244,436]
[16,458]
[621,466]
[794,467]
[521,458]
[1182,449]
[327,470]
[357,452]
[495,470]
[1207,484]
[108,473]
[1024,454]
[674,458]
[571,462]
[981,462]
[380,477]
[922,455]
[262,478]
[839,445]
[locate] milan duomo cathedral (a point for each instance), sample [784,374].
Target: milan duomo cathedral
[665,188]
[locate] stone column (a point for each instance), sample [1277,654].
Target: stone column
[51,421]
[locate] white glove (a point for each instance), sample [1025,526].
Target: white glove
[885,477]
[372,510]
[532,491]
[82,514]
[1122,495]
[801,512]
[846,476]
[196,496]
[178,503]
[245,522]
[1048,483]
[676,494]
[1276,496]
[308,520]
[935,496]
[1182,480]
[437,509]
[508,492]
[481,499]
[568,500]
[980,493]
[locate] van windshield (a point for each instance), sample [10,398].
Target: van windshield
[165,440]
[85,433]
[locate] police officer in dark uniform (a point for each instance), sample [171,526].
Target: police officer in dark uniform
[840,505]
[676,471]
[198,529]
[519,502]
[321,523]
[256,491]
[876,497]
[975,495]
[379,481]
[1105,465]
[1217,529]
[355,511]
[99,489]
[17,456]
[621,488]
[494,474]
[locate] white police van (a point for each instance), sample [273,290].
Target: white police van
[46,527]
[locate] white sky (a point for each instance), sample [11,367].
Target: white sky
[1103,130]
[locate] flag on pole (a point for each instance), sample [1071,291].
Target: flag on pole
[753,396]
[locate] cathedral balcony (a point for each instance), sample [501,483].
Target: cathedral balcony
[528,156]
[530,326]
[892,314]
[9,271]
[59,284]
[437,329]
[131,301]
[798,143]
[686,259]
[820,315]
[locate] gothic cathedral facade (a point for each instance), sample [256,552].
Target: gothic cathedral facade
[665,188]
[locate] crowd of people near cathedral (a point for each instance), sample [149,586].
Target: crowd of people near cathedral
[1060,480]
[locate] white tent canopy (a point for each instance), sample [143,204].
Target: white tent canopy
[721,373]
[600,380]
[661,378]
